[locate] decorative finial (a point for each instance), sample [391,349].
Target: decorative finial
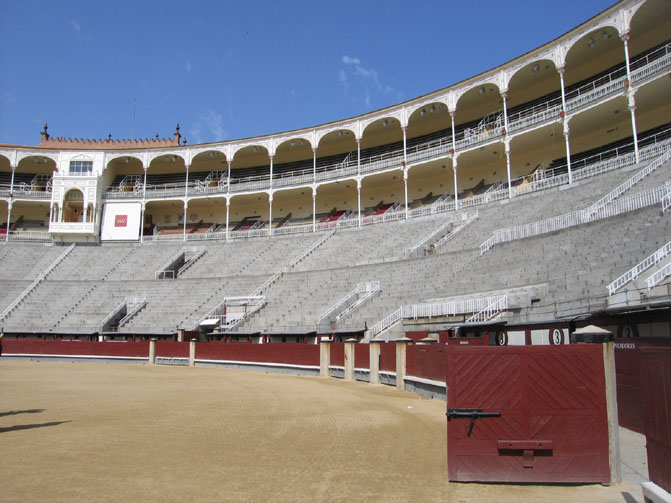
[45,127]
[184,141]
[177,128]
[109,136]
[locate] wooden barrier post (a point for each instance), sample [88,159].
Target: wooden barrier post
[401,345]
[152,351]
[374,357]
[324,357]
[596,335]
[349,359]
[192,353]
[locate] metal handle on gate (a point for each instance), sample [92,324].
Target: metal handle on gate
[473,414]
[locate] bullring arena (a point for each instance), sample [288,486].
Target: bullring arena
[503,212]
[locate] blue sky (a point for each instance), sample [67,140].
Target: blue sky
[226,70]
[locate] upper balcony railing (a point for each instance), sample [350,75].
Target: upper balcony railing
[489,129]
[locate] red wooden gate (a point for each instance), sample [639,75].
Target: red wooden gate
[553,424]
[656,387]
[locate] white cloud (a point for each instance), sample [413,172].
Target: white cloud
[76,25]
[213,122]
[367,80]
[187,65]
[208,128]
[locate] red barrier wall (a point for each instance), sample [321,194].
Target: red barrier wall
[76,348]
[172,349]
[427,361]
[338,354]
[655,379]
[388,357]
[628,377]
[362,356]
[292,354]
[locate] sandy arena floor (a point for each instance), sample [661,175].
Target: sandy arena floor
[96,432]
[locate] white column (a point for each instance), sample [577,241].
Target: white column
[10,203]
[186,205]
[144,183]
[270,217]
[9,216]
[632,109]
[11,183]
[324,358]
[314,208]
[506,144]
[455,168]
[271,171]
[401,346]
[349,359]
[358,156]
[228,211]
[374,362]
[405,188]
[186,200]
[504,95]
[314,165]
[454,134]
[142,211]
[405,146]
[630,94]
[358,192]
[565,123]
[186,183]
[228,178]
[567,133]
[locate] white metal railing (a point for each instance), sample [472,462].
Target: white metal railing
[615,193]
[235,321]
[311,248]
[655,279]
[387,322]
[259,290]
[579,217]
[448,308]
[430,236]
[647,66]
[470,218]
[603,208]
[160,273]
[666,202]
[29,237]
[137,303]
[491,311]
[485,304]
[338,305]
[366,290]
[635,271]
[396,212]
[112,314]
[197,253]
[37,281]
[230,320]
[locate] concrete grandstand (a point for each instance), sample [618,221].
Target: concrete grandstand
[534,192]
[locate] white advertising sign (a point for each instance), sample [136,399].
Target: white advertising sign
[121,222]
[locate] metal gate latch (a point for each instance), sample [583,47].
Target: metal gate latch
[473,414]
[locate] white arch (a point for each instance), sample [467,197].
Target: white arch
[151,157]
[341,127]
